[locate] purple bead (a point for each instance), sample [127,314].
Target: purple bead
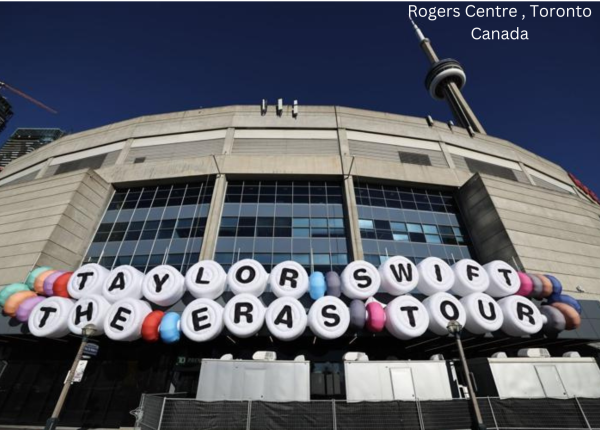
[27,306]
[49,282]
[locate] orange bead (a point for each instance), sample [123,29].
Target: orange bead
[547,285]
[14,301]
[38,284]
[572,317]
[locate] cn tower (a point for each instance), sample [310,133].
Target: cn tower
[444,81]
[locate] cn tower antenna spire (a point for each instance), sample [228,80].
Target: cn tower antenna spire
[444,81]
[418,31]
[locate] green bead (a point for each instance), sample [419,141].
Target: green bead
[34,274]
[9,290]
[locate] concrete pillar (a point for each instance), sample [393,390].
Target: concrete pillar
[124,152]
[211,232]
[524,169]
[213,221]
[352,212]
[44,168]
[447,155]
[349,197]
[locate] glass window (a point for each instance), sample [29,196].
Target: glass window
[307,215]
[414,228]
[430,229]
[137,237]
[300,222]
[366,224]
[382,233]
[398,226]
[433,238]
[301,232]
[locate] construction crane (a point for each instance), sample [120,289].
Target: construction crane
[26,97]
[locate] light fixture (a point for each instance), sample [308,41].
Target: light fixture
[89,330]
[454,327]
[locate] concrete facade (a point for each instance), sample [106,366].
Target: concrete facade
[49,222]
[537,221]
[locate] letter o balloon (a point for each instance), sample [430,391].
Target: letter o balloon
[443,308]
[247,276]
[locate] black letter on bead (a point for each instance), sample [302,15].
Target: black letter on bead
[285,317]
[249,278]
[80,313]
[119,317]
[47,311]
[197,319]
[84,277]
[401,271]
[243,309]
[524,311]
[290,275]
[492,315]
[159,282]
[472,272]
[118,282]
[367,279]
[444,310]
[411,314]
[505,272]
[334,316]
[199,279]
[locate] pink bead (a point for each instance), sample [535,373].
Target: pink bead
[526,285]
[375,317]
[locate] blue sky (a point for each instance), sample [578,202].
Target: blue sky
[98,63]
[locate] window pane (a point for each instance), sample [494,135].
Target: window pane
[414,228]
[430,229]
[433,238]
[366,224]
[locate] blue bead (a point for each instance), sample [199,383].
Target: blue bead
[567,300]
[317,286]
[169,327]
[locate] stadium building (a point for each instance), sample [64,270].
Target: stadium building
[323,186]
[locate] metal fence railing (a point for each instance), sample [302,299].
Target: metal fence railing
[168,412]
